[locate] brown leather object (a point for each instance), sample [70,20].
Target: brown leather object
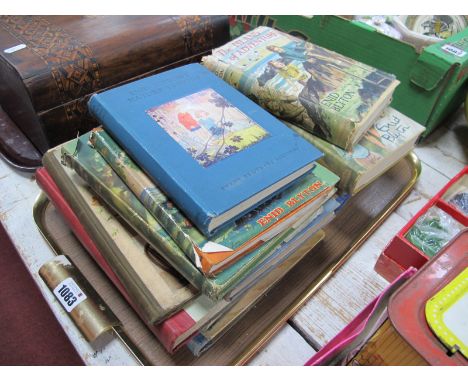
[50,65]
[15,147]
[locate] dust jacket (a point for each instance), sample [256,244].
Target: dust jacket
[90,165]
[216,153]
[390,138]
[154,287]
[235,240]
[326,93]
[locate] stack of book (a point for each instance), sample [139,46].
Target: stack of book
[192,199]
[338,104]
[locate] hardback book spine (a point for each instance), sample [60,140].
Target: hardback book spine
[182,232]
[390,138]
[212,255]
[90,166]
[167,331]
[212,330]
[153,285]
[322,91]
[111,188]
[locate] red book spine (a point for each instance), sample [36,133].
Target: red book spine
[167,331]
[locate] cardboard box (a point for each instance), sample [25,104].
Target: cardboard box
[434,82]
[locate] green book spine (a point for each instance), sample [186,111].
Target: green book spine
[106,183]
[189,239]
[155,201]
[102,179]
[158,293]
[322,91]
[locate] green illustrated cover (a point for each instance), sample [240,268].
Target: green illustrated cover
[324,92]
[153,285]
[90,165]
[260,225]
[390,138]
[213,330]
[433,82]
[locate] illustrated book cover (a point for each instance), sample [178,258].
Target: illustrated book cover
[212,150]
[90,165]
[235,240]
[204,312]
[326,93]
[155,288]
[298,247]
[173,331]
[390,138]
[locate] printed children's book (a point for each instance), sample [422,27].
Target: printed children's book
[237,239]
[202,311]
[90,165]
[315,222]
[390,138]
[166,331]
[155,288]
[212,150]
[328,94]
[214,329]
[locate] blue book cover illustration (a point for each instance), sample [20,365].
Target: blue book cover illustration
[213,150]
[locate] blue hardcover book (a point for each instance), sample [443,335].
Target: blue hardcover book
[213,150]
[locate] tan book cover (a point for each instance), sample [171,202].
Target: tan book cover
[390,138]
[151,282]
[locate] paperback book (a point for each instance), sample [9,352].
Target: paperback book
[212,150]
[230,243]
[328,94]
[105,182]
[390,138]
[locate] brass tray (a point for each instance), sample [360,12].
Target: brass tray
[354,223]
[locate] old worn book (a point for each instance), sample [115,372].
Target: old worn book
[263,275]
[213,254]
[201,311]
[90,165]
[167,331]
[298,246]
[154,287]
[50,65]
[390,138]
[213,151]
[326,93]
[204,311]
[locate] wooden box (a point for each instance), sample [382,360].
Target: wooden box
[50,65]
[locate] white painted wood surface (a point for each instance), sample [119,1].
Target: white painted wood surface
[443,155]
[348,291]
[18,192]
[287,348]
